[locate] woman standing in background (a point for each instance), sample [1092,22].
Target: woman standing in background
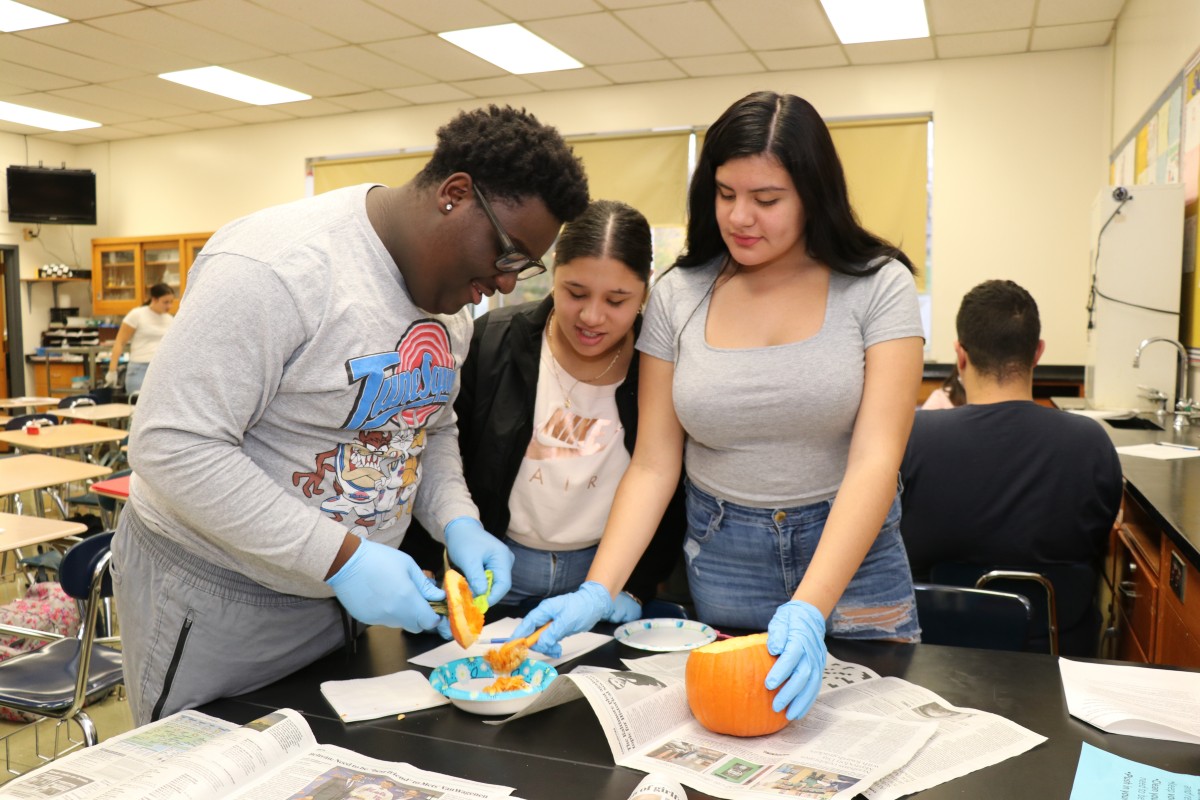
[142,329]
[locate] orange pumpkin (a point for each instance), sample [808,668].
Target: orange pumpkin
[466,620]
[725,687]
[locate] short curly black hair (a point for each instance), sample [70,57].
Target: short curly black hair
[511,156]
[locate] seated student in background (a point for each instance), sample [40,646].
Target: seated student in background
[547,415]
[1003,481]
[950,394]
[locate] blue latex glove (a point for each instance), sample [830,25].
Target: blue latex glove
[379,585]
[571,613]
[797,635]
[474,551]
[625,609]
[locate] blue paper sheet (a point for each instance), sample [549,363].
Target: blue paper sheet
[1104,776]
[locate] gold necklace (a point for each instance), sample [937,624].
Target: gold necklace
[558,378]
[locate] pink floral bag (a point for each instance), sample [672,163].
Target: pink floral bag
[45,607]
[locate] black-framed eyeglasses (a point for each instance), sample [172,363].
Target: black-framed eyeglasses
[511,259]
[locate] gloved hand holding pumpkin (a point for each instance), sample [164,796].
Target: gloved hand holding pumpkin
[797,635]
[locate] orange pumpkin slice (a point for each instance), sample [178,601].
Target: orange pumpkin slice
[725,687]
[466,620]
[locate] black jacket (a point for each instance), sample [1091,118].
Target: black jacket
[498,387]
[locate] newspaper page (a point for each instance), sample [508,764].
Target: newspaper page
[672,668]
[966,739]
[339,774]
[186,755]
[193,756]
[1135,701]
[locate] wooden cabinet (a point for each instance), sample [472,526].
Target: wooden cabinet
[1156,593]
[124,269]
[54,378]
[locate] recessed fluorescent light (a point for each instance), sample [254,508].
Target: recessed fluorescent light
[17,17]
[234,85]
[857,21]
[513,48]
[37,118]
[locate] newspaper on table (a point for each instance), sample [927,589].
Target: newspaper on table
[193,756]
[882,737]
[1135,701]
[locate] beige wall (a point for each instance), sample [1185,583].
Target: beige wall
[1154,41]
[1021,147]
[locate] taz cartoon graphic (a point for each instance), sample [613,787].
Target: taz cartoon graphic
[378,471]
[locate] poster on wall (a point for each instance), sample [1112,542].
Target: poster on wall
[1170,121]
[1191,135]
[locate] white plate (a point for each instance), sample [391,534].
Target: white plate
[665,635]
[464,680]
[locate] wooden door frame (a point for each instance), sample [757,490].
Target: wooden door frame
[13,319]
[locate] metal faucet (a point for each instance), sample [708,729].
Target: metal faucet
[1183,397]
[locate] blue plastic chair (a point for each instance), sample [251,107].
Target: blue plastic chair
[57,680]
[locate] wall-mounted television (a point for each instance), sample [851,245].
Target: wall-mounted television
[51,196]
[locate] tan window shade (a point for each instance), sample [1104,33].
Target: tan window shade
[390,170]
[887,172]
[648,172]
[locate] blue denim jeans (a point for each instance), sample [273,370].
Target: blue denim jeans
[135,374]
[743,563]
[538,574]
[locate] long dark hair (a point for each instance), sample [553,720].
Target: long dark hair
[790,130]
[608,228]
[158,290]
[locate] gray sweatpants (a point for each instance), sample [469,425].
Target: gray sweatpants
[193,632]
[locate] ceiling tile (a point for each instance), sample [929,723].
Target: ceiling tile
[615,4]
[432,93]
[1068,12]
[707,66]
[154,127]
[111,133]
[975,16]
[355,21]
[595,39]
[564,79]
[48,101]
[69,137]
[247,22]
[135,104]
[522,10]
[777,24]
[437,58]
[30,79]
[358,63]
[494,87]
[30,53]
[371,101]
[202,121]
[643,72]
[681,30]
[162,30]
[1060,37]
[808,58]
[287,71]
[444,15]
[890,52]
[104,45]
[969,45]
[253,115]
[314,108]
[73,9]
[185,96]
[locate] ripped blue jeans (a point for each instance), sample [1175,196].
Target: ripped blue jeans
[743,563]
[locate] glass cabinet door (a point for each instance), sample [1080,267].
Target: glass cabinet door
[160,264]
[118,275]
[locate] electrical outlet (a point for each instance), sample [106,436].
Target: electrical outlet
[27,233]
[1178,576]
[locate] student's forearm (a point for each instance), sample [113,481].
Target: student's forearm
[637,509]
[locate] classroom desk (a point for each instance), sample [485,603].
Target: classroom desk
[28,402]
[35,471]
[104,412]
[542,754]
[21,530]
[116,488]
[61,437]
